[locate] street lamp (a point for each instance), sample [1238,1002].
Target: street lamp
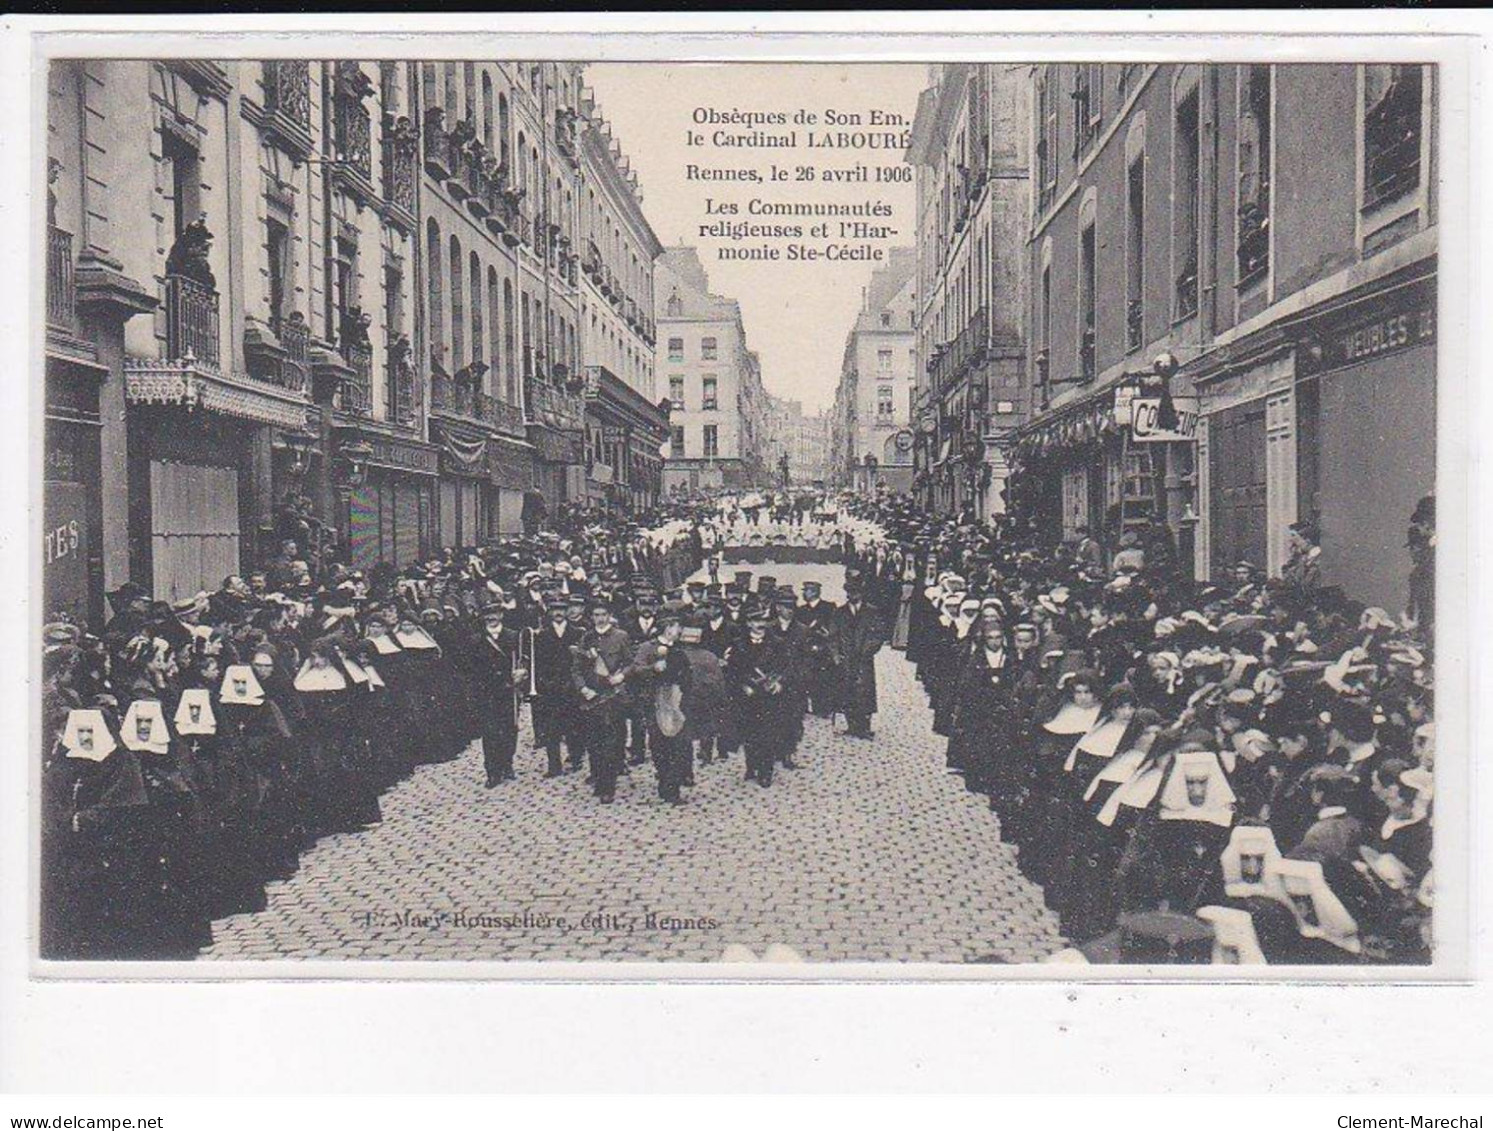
[300,443]
[352,461]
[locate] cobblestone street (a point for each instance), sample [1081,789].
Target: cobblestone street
[868,852]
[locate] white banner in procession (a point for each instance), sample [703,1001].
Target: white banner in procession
[1142,420]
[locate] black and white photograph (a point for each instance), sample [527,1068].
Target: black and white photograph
[765,515]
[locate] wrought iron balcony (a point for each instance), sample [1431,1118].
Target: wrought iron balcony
[287,101]
[191,321]
[354,136]
[62,289]
[402,388]
[355,395]
[399,159]
[438,158]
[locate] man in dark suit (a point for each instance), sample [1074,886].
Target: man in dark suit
[497,665]
[641,626]
[858,636]
[554,700]
[600,670]
[817,615]
[793,640]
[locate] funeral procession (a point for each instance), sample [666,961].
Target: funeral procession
[435,571]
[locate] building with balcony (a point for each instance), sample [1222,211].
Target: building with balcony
[969,147]
[718,406]
[1273,229]
[625,425]
[241,205]
[871,439]
[499,187]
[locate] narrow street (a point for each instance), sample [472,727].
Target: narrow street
[868,852]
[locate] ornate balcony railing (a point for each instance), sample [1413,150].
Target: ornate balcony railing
[554,406]
[287,98]
[62,290]
[507,418]
[354,137]
[400,164]
[438,158]
[191,320]
[355,396]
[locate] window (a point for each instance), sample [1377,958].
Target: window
[1047,138]
[494,324]
[503,136]
[707,349]
[458,311]
[393,301]
[185,182]
[474,312]
[707,398]
[676,349]
[1185,206]
[488,125]
[676,442]
[510,368]
[884,407]
[1088,84]
[712,443]
[883,361]
[675,306]
[528,341]
[1135,254]
[1392,112]
[676,392]
[1044,348]
[344,284]
[886,317]
[1086,295]
[1254,174]
[277,243]
[436,297]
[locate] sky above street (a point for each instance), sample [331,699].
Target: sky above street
[796,313]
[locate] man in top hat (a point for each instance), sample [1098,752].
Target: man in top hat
[554,714]
[642,626]
[757,673]
[793,640]
[598,675]
[816,615]
[501,674]
[858,635]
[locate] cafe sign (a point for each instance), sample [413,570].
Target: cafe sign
[1144,428]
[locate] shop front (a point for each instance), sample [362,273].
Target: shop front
[510,467]
[464,517]
[387,485]
[72,512]
[1366,405]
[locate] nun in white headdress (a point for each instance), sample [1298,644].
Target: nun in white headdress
[257,726]
[94,890]
[174,850]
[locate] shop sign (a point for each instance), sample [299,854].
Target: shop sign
[401,457]
[1385,335]
[1143,413]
